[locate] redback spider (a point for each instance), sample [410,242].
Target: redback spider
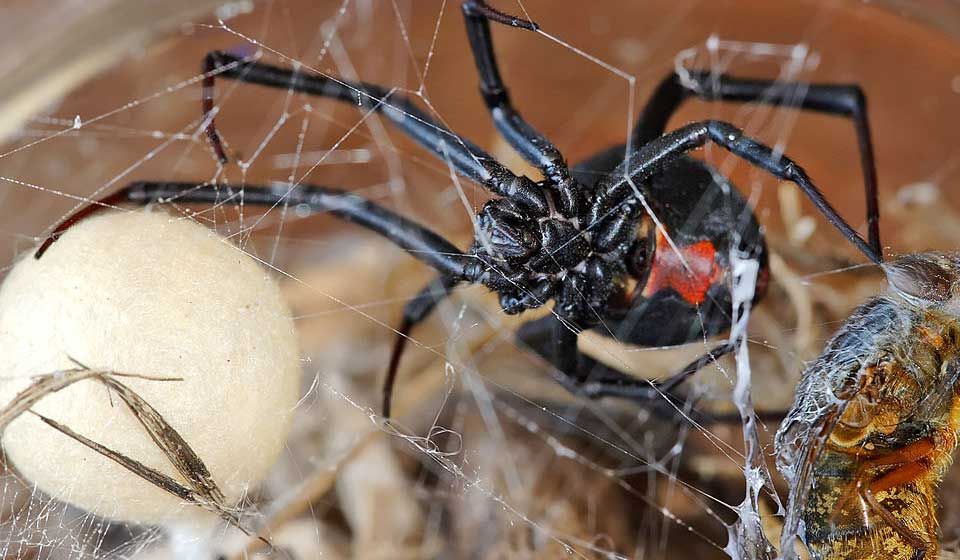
[634,242]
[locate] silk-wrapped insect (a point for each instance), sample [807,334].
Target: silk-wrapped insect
[874,421]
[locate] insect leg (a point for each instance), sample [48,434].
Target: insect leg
[902,475]
[847,100]
[908,535]
[466,158]
[906,456]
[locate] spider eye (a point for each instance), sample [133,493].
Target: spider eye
[638,260]
[639,254]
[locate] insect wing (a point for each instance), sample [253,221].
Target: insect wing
[824,391]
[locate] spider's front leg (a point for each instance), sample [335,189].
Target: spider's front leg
[845,100]
[620,185]
[419,241]
[535,148]
[465,157]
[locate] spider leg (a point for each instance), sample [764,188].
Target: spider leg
[417,240]
[415,311]
[467,158]
[530,143]
[580,374]
[619,185]
[847,100]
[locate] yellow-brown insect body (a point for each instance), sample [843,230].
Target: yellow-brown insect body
[874,422]
[880,422]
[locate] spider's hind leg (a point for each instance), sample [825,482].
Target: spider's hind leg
[556,342]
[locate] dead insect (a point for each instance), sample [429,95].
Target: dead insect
[874,421]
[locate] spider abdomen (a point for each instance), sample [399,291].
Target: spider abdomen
[683,290]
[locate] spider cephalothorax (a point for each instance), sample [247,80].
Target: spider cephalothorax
[659,285]
[533,257]
[637,239]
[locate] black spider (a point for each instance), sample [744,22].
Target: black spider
[583,237]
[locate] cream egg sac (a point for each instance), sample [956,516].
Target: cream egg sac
[145,293]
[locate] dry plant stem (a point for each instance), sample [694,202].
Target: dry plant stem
[149,474]
[52,383]
[203,490]
[305,494]
[177,451]
[43,386]
[799,296]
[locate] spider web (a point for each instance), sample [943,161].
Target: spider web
[488,458]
